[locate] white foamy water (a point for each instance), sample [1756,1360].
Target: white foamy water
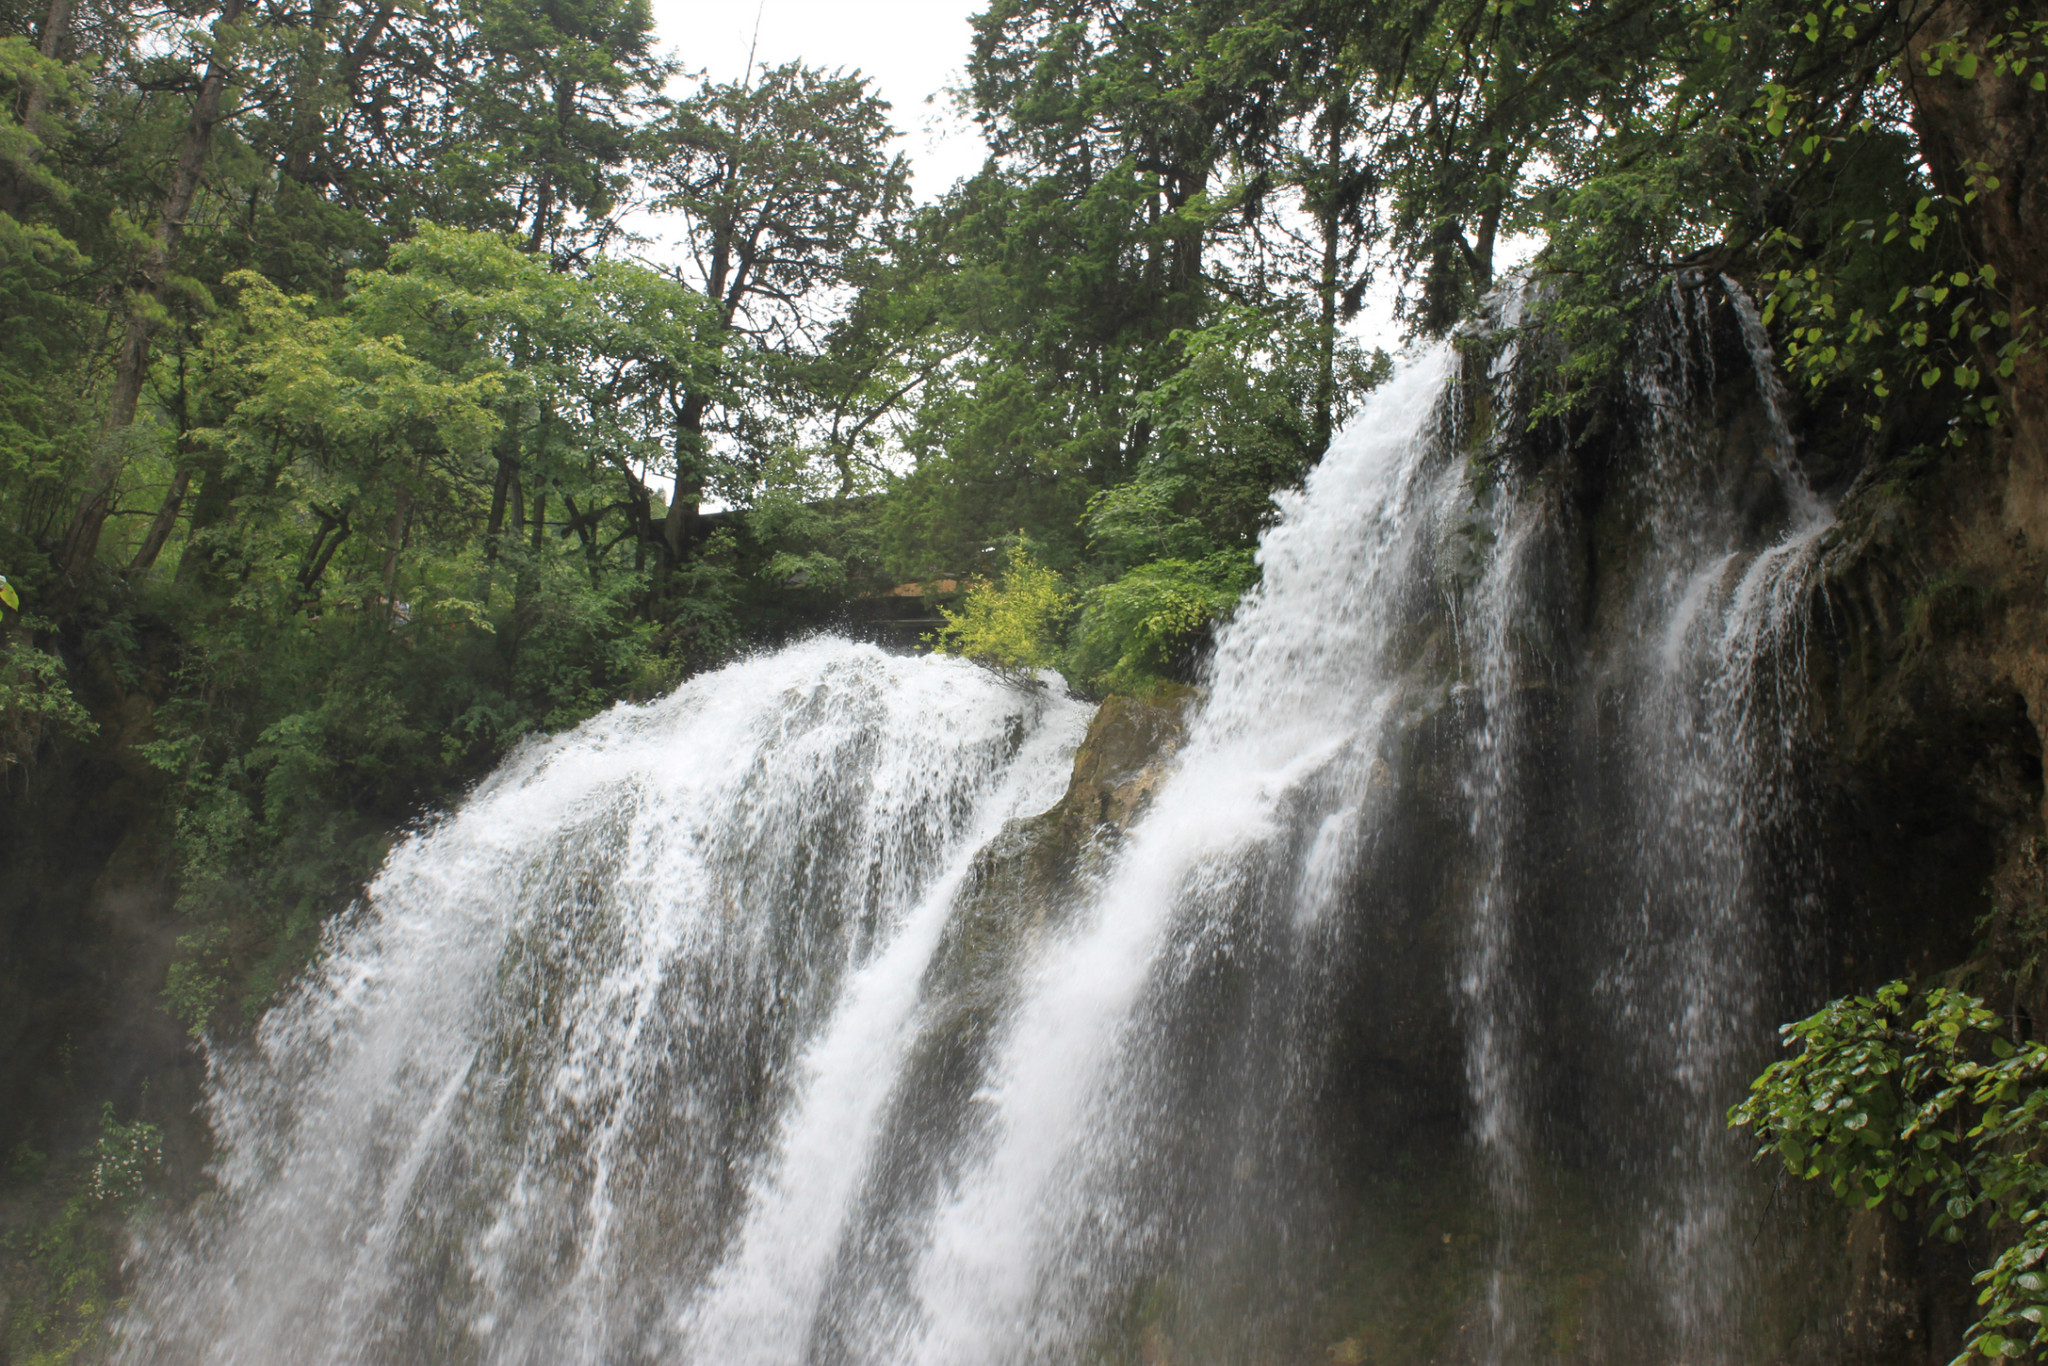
[575,1030]
[1297,702]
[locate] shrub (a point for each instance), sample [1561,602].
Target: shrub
[1925,1106]
[1145,627]
[1015,624]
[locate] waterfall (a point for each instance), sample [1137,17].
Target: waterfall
[568,1034]
[744,1028]
[1713,704]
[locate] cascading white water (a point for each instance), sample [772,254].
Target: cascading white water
[1721,611]
[535,1073]
[1038,1226]
[712,1032]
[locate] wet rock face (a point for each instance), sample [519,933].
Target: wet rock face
[1991,129]
[1119,767]
[1930,702]
[1031,869]
[1928,705]
[1028,874]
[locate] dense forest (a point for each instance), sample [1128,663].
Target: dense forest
[349,434]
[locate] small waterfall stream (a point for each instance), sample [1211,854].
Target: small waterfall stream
[719,1030]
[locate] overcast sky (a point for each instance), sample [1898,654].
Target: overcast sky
[910,49]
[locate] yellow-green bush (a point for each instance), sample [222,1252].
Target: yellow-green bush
[1125,636]
[1016,624]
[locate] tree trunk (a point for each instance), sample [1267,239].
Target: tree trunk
[160,525]
[395,538]
[544,209]
[334,529]
[1996,126]
[503,487]
[55,24]
[1326,289]
[166,519]
[640,510]
[307,120]
[585,526]
[566,93]
[679,528]
[527,581]
[132,365]
[1492,197]
[1997,122]
[209,509]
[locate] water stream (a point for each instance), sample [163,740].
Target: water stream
[727,1030]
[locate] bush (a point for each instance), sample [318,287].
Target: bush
[1925,1107]
[1130,635]
[1016,624]
[35,705]
[1147,626]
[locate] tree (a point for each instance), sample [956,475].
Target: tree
[784,191]
[550,106]
[146,292]
[1149,279]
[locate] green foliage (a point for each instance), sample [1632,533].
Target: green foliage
[194,984]
[1015,624]
[1925,1104]
[1133,314]
[36,705]
[1128,635]
[549,102]
[1875,305]
[786,196]
[125,1158]
[1237,420]
[62,1265]
[1142,628]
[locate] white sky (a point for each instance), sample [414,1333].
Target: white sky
[911,50]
